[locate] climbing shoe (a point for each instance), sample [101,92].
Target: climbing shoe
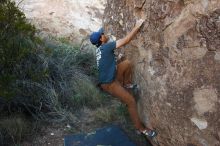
[149,134]
[131,86]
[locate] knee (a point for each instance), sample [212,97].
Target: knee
[128,63]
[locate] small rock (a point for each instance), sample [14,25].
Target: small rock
[122,16]
[51,133]
[51,13]
[217,55]
[68,126]
[168,104]
[200,123]
[121,22]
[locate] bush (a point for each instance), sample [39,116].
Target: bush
[86,94]
[23,70]
[42,77]
[70,69]
[16,37]
[13,130]
[105,115]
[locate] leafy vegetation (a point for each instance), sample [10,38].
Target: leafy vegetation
[16,37]
[14,129]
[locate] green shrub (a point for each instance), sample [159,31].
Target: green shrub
[46,77]
[121,110]
[105,115]
[13,130]
[86,94]
[16,37]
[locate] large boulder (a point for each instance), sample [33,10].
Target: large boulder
[176,57]
[71,19]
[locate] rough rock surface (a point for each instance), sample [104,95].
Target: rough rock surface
[176,58]
[72,19]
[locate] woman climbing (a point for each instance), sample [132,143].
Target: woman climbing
[113,77]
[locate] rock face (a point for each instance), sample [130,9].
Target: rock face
[176,58]
[72,19]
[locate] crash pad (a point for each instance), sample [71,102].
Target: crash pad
[111,135]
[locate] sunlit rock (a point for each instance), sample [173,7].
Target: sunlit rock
[176,63]
[71,19]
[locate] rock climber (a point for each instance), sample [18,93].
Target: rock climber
[117,78]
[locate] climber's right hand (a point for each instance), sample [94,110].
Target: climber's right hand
[130,35]
[139,22]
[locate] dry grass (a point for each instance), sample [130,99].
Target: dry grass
[15,129]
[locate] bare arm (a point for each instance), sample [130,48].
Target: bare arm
[130,35]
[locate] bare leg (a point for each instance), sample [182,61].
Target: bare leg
[117,90]
[124,72]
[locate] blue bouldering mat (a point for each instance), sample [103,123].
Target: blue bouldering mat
[107,136]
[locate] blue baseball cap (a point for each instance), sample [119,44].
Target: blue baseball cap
[95,36]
